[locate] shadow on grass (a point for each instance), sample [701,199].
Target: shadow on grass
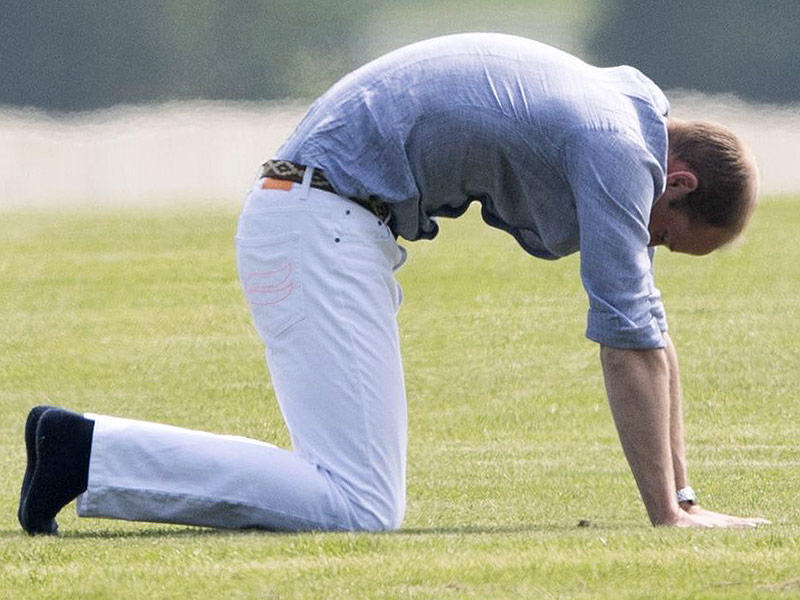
[166,532]
[178,531]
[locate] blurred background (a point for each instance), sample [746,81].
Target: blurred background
[167,101]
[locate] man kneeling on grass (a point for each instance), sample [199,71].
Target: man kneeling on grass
[564,156]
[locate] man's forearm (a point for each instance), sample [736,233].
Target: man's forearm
[638,387]
[676,416]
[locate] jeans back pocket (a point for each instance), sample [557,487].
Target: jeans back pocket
[271,278]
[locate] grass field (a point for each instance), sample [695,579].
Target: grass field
[511,441]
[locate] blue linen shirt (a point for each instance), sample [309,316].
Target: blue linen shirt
[562,155]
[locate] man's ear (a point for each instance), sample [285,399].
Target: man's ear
[681,183]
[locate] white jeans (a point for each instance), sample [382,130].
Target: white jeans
[317,272]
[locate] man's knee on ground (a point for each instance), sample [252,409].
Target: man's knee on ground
[386,517]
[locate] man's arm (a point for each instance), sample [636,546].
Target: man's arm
[644,395]
[637,384]
[676,416]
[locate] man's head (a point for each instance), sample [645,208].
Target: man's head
[712,184]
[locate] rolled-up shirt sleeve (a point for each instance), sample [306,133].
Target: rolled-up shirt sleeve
[614,181]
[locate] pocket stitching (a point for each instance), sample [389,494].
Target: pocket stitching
[273,281]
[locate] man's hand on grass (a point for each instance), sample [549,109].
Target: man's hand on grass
[696,516]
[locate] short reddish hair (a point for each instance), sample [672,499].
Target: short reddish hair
[726,173]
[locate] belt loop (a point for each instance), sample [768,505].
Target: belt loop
[308,175]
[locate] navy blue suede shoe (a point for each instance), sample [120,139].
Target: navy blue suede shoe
[59,445]
[30,447]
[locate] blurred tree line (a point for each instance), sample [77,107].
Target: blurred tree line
[746,47]
[85,54]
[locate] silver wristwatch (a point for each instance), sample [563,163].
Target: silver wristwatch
[687,494]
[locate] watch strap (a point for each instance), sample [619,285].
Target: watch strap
[686,494]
